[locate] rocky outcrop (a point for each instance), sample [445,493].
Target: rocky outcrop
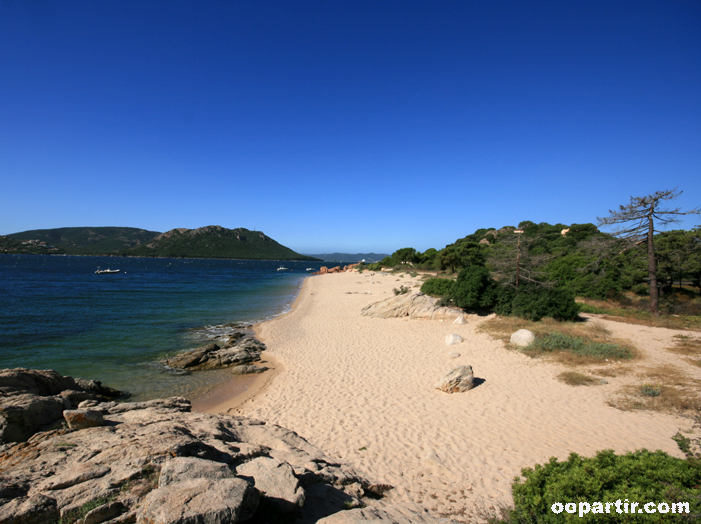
[458,379]
[158,462]
[522,338]
[239,350]
[412,305]
[32,400]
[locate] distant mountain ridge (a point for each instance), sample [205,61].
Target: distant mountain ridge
[348,257]
[216,242]
[89,240]
[204,242]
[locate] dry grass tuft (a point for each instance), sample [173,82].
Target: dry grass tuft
[657,397]
[686,345]
[664,388]
[573,378]
[599,329]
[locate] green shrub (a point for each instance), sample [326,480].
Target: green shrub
[641,476]
[403,290]
[535,302]
[551,342]
[437,287]
[474,289]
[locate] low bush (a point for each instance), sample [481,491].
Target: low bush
[474,289]
[552,342]
[536,302]
[641,476]
[437,287]
[403,290]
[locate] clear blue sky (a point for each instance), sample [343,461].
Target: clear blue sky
[344,125]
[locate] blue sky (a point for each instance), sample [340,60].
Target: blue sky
[344,125]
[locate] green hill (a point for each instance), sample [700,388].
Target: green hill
[27,247]
[216,242]
[89,240]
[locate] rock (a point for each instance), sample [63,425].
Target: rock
[32,400]
[180,469]
[104,513]
[37,509]
[200,501]
[390,515]
[454,354]
[412,305]
[23,415]
[277,481]
[522,337]
[453,339]
[460,320]
[76,397]
[41,382]
[457,380]
[244,350]
[247,370]
[194,456]
[83,418]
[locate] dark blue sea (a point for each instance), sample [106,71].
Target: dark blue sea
[56,313]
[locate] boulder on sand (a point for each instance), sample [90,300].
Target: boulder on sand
[458,379]
[453,339]
[522,338]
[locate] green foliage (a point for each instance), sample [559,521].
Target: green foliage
[437,287]
[534,302]
[552,342]
[641,476]
[474,289]
[403,290]
[650,390]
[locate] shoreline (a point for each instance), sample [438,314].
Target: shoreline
[362,390]
[239,389]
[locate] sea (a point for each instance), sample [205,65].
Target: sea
[57,313]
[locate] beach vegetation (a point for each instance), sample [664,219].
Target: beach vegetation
[474,289]
[555,342]
[635,225]
[403,290]
[575,378]
[534,302]
[640,476]
[437,287]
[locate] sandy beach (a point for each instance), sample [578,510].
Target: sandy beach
[362,389]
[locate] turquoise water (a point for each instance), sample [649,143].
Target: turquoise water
[56,313]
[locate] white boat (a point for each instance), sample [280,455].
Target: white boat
[283,268]
[106,271]
[310,269]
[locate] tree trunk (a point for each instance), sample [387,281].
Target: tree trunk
[652,273]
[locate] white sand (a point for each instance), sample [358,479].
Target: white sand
[362,389]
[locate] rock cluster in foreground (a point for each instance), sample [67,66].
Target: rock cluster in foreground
[32,400]
[156,462]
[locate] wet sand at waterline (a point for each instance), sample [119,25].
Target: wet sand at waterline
[362,390]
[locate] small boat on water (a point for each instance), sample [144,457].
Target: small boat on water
[310,269]
[283,268]
[106,271]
